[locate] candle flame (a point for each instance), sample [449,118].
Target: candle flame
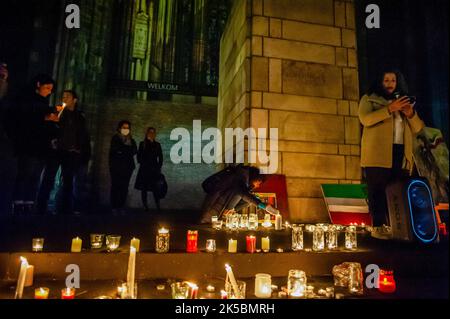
[23,259]
[227,267]
[163,231]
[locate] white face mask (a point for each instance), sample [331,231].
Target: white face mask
[124,131]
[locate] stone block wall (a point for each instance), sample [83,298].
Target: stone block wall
[304,81]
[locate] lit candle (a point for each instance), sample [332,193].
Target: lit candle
[76,245]
[263,286]
[193,290]
[267,221]
[131,272]
[223,294]
[251,244]
[234,285]
[232,246]
[29,276]
[135,243]
[210,288]
[41,293]
[68,293]
[162,240]
[21,278]
[386,281]
[192,238]
[38,244]
[60,112]
[122,290]
[265,244]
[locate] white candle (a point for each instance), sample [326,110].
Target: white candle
[131,272]
[278,222]
[135,243]
[232,246]
[21,278]
[263,286]
[76,245]
[29,276]
[265,244]
[232,280]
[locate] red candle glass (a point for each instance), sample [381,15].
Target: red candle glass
[68,293]
[251,244]
[386,281]
[192,239]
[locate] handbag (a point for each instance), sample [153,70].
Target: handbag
[161,187]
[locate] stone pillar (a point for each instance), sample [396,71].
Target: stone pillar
[292,65]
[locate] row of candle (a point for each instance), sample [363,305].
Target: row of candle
[43,293]
[250,221]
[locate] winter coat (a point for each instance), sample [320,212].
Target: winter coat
[121,156]
[150,158]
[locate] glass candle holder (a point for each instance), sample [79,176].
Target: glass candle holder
[37,244]
[41,293]
[228,219]
[386,281]
[243,224]
[112,242]
[253,221]
[267,221]
[296,284]
[210,245]
[214,219]
[216,223]
[263,286]
[332,237]
[68,293]
[265,244]
[97,241]
[192,239]
[251,244]
[355,280]
[350,238]
[179,290]
[318,238]
[231,294]
[235,219]
[297,237]
[162,241]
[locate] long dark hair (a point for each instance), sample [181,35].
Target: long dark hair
[121,123]
[151,128]
[377,86]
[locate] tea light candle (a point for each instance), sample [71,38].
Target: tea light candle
[210,288]
[386,281]
[76,245]
[232,246]
[29,276]
[210,245]
[38,244]
[251,244]
[192,238]
[160,287]
[135,243]
[41,293]
[68,293]
[265,244]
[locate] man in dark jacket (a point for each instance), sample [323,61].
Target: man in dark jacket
[230,189]
[29,136]
[72,151]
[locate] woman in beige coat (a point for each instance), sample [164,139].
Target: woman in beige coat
[390,122]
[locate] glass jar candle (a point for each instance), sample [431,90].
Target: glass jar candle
[210,245]
[228,219]
[267,221]
[37,244]
[112,242]
[216,223]
[386,282]
[296,284]
[97,241]
[297,237]
[350,238]
[235,219]
[332,237]
[41,293]
[243,224]
[68,293]
[318,238]
[251,244]
[162,241]
[253,221]
[179,290]
[263,286]
[355,280]
[192,239]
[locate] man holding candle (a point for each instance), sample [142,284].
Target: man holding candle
[231,189]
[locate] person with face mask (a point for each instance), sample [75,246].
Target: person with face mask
[390,122]
[121,165]
[150,158]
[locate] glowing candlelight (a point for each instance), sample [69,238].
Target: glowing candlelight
[210,288]
[386,281]
[232,280]
[135,243]
[251,244]
[192,238]
[265,244]
[131,273]
[68,293]
[41,293]
[162,240]
[38,244]
[76,245]
[232,246]
[210,245]
[263,286]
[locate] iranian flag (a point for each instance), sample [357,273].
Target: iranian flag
[347,203]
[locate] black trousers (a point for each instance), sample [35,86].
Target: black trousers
[377,178]
[120,181]
[52,164]
[70,164]
[29,169]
